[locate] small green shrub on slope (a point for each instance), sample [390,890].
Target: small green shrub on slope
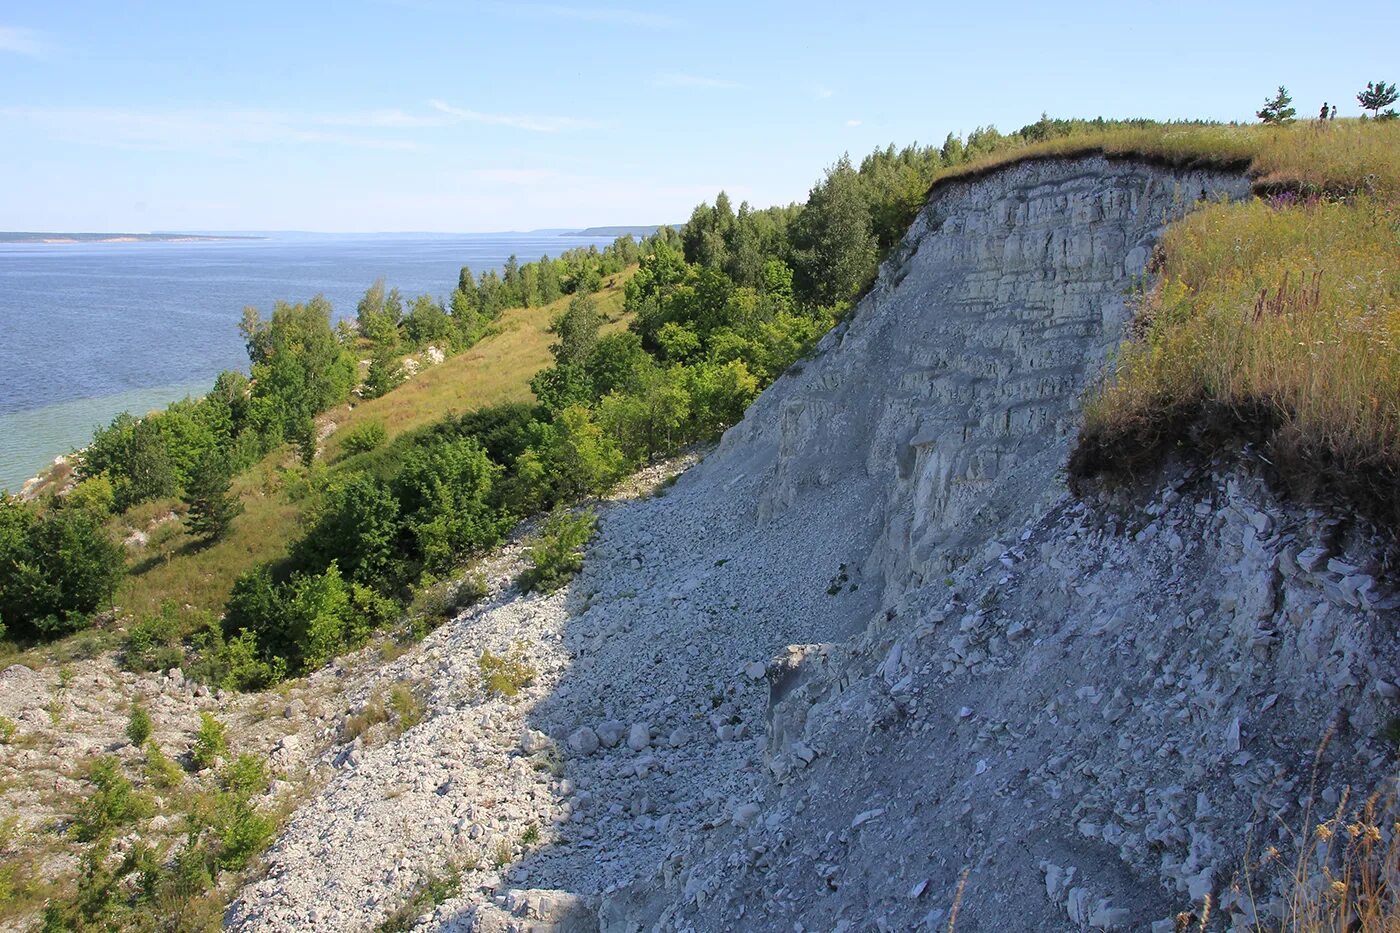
[556,555]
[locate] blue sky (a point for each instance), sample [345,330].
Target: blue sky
[368,115]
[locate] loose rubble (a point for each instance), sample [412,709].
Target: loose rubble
[870,653]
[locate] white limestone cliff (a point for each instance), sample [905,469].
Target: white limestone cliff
[870,646]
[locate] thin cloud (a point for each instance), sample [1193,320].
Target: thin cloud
[677,79]
[385,119]
[617,16]
[195,130]
[853,123]
[821,92]
[518,121]
[513,176]
[229,131]
[22,41]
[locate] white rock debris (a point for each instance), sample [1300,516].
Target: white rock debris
[1087,707]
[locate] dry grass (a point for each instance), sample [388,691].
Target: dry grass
[1276,322]
[498,369]
[1346,878]
[1344,875]
[1339,156]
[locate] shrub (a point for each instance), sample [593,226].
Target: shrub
[152,643]
[56,569]
[245,776]
[210,742]
[407,706]
[368,436]
[557,554]
[505,675]
[318,610]
[404,707]
[435,890]
[114,802]
[8,729]
[160,770]
[435,601]
[357,524]
[444,490]
[373,713]
[138,727]
[233,663]
[226,823]
[93,495]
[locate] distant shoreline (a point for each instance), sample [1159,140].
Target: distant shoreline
[64,238]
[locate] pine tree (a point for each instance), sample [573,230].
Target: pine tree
[1376,96]
[212,507]
[1278,111]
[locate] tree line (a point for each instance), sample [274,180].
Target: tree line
[720,308]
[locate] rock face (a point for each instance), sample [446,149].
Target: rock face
[951,395]
[870,644]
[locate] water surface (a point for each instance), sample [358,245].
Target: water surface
[88,330]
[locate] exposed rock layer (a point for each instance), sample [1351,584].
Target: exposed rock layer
[1085,713]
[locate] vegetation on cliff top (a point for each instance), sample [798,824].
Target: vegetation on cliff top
[1277,321]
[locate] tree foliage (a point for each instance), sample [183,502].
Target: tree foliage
[1278,110]
[1378,94]
[834,246]
[210,503]
[56,568]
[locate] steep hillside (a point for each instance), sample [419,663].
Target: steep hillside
[869,654]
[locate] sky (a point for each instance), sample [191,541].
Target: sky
[429,115]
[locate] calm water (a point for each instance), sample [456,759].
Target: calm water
[90,330]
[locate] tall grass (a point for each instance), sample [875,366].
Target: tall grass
[1276,320]
[1338,157]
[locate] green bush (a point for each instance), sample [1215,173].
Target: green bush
[557,554]
[153,642]
[8,729]
[113,803]
[138,727]
[444,491]
[435,601]
[407,706]
[246,775]
[56,568]
[369,436]
[504,675]
[210,742]
[94,495]
[234,663]
[160,770]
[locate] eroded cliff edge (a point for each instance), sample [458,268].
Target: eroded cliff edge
[1089,706]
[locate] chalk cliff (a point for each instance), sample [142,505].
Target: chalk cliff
[870,651]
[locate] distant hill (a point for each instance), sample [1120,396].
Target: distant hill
[640,231]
